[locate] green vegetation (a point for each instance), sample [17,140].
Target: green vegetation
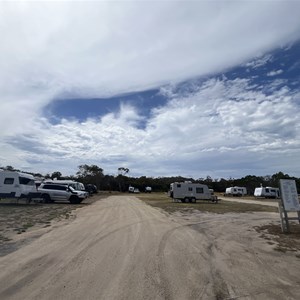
[163,201]
[93,174]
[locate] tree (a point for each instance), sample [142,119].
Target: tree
[56,175]
[123,171]
[86,170]
[90,174]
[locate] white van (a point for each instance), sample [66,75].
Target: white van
[17,185]
[77,186]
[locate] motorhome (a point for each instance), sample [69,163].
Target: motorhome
[191,192]
[236,191]
[17,185]
[267,192]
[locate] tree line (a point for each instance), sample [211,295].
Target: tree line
[93,174]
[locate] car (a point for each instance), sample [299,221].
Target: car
[91,189]
[136,191]
[58,192]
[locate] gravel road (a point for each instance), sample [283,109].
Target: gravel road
[121,248]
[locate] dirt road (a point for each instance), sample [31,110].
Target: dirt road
[120,248]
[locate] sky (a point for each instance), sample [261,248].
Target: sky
[164,88]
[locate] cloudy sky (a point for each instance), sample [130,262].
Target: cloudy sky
[190,88]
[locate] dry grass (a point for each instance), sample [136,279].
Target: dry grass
[283,241]
[162,200]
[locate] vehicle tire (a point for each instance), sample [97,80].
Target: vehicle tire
[46,198]
[194,200]
[75,200]
[186,200]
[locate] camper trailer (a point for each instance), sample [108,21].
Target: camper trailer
[148,189]
[236,191]
[191,192]
[131,189]
[17,185]
[267,192]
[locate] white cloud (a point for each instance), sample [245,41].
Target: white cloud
[274,72]
[97,49]
[200,134]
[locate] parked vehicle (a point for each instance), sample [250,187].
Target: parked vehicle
[77,186]
[136,191]
[267,192]
[191,192]
[131,189]
[91,189]
[148,189]
[236,191]
[17,185]
[51,192]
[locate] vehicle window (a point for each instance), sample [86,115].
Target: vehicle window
[199,190]
[47,187]
[8,180]
[25,180]
[190,189]
[267,190]
[178,185]
[61,187]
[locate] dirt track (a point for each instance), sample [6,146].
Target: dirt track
[120,248]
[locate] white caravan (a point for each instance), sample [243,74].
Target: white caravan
[17,185]
[236,191]
[267,192]
[131,189]
[148,189]
[191,192]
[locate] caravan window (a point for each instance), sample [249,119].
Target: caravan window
[267,190]
[178,185]
[199,190]
[26,181]
[190,189]
[9,181]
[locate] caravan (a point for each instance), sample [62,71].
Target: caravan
[236,191]
[267,192]
[17,185]
[191,192]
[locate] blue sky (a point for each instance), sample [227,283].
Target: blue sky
[163,88]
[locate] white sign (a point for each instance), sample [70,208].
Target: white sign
[289,195]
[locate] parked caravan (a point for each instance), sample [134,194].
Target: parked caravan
[148,189]
[267,192]
[131,189]
[17,185]
[191,192]
[236,191]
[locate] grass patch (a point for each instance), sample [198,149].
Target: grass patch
[163,201]
[284,241]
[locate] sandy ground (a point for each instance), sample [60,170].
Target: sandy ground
[121,248]
[262,201]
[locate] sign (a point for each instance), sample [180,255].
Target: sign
[289,195]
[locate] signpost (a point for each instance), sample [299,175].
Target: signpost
[289,203]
